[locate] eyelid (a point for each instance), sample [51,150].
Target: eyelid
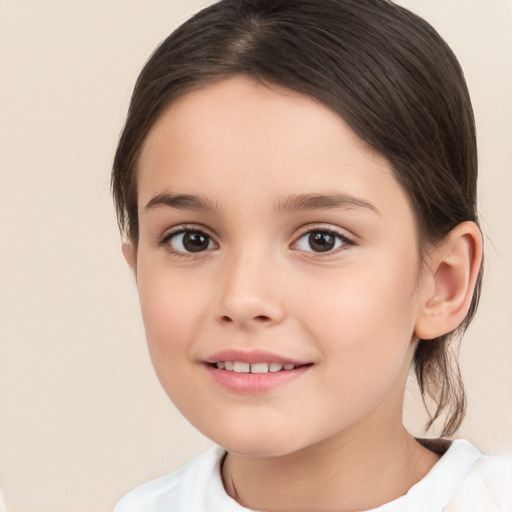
[187,227]
[323,226]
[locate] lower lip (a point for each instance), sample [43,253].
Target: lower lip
[254,383]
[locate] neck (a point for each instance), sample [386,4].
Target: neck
[345,473]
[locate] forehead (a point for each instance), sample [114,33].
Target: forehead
[247,138]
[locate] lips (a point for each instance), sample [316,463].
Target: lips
[254,371]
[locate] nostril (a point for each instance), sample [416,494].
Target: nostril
[261,318]
[258,319]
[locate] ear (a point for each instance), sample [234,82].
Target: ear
[130,255]
[448,290]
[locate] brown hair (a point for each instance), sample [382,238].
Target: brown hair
[384,70]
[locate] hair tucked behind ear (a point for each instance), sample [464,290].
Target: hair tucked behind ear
[438,373]
[383,69]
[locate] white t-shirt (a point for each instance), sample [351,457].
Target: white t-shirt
[463,480]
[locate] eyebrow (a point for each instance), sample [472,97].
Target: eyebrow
[290,204]
[181,202]
[299,202]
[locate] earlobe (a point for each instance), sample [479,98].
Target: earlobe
[130,255]
[454,268]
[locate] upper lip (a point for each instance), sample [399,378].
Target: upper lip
[251,356]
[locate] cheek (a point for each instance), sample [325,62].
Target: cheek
[365,323]
[171,311]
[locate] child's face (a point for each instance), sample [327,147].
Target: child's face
[293,243]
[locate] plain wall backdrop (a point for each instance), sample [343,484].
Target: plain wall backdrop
[82,417]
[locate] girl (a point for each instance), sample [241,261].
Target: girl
[296,185]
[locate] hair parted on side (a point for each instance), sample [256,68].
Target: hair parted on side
[383,69]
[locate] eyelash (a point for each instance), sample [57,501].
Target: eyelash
[168,237]
[340,239]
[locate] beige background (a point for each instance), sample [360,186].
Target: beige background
[83,419]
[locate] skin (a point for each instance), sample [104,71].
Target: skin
[333,438]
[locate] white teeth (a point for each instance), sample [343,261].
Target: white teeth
[239,367]
[243,367]
[259,368]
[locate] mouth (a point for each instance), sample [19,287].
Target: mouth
[254,372]
[263,367]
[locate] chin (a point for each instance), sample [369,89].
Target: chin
[259,443]
[256,432]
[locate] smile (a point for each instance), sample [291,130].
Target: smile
[254,371]
[244,367]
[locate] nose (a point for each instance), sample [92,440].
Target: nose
[250,295]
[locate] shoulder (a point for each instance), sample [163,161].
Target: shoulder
[486,487]
[193,487]
[463,480]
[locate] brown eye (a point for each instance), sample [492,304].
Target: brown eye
[320,240]
[190,241]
